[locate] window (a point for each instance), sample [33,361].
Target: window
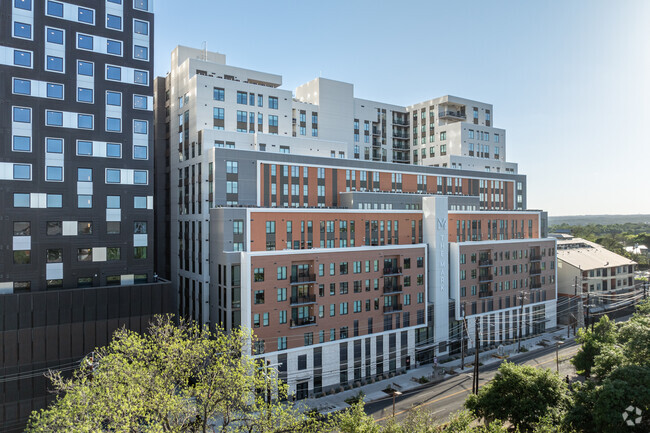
[140,202]
[113,22]
[85,68]
[258,297]
[22,172]
[85,42]
[140,177]
[140,126]
[273,102]
[54,200]
[113,73]
[22,144]
[113,202]
[86,16]
[55,91]
[84,95]
[142,28]
[23,58]
[232,167]
[140,52]
[142,5]
[258,274]
[22,228]
[140,102]
[53,118]
[113,124]
[54,228]
[141,77]
[22,87]
[23,4]
[54,174]
[113,150]
[113,253]
[84,201]
[84,174]
[113,176]
[22,257]
[55,9]
[84,148]
[273,120]
[242,98]
[140,152]
[139,252]
[54,145]
[218,94]
[84,254]
[114,47]
[22,30]
[113,98]
[85,121]
[84,228]
[22,115]
[21,200]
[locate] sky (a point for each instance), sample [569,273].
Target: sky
[569,80]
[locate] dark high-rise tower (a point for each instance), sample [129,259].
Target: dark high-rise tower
[76,183]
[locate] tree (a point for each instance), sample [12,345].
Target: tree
[604,333]
[522,395]
[355,420]
[173,379]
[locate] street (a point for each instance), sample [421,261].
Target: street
[448,397]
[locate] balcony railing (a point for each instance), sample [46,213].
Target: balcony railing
[484,278]
[392,308]
[393,288]
[535,258]
[395,270]
[403,122]
[485,262]
[535,271]
[303,299]
[303,321]
[302,278]
[485,293]
[453,114]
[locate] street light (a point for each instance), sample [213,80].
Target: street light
[557,355]
[395,394]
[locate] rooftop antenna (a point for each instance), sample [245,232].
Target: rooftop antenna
[205,50]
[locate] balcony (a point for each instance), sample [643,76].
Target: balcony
[485,262]
[535,258]
[395,270]
[376,131]
[392,288]
[485,293]
[535,285]
[303,278]
[485,278]
[449,114]
[303,299]
[535,271]
[402,122]
[400,135]
[392,308]
[303,321]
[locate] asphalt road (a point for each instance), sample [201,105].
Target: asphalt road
[447,397]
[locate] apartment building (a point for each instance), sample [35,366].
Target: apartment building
[586,267]
[457,133]
[77,183]
[305,220]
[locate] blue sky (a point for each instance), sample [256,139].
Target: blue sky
[569,80]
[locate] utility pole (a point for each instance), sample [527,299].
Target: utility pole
[645,288]
[588,313]
[476,344]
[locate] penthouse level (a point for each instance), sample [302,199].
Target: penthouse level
[302,181]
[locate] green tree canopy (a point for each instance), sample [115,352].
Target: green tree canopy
[521,394]
[173,379]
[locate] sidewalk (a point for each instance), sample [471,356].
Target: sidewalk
[404,382]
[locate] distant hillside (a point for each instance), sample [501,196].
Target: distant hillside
[581,220]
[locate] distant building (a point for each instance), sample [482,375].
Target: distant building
[586,267]
[637,249]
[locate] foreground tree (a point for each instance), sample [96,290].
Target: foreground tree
[522,395]
[603,335]
[173,379]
